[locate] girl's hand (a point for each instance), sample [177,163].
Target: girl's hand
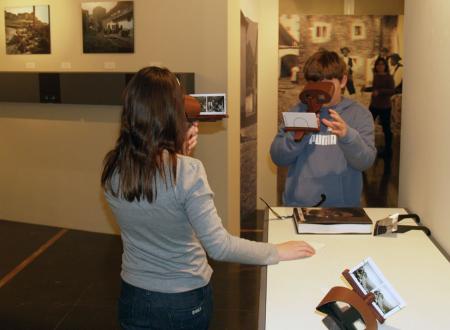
[191,139]
[292,250]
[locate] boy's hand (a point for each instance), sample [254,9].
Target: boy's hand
[298,135]
[191,138]
[338,126]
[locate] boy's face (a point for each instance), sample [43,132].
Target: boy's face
[338,86]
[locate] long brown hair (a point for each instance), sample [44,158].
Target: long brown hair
[152,121]
[385,63]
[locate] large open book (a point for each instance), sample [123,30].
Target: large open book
[332,220]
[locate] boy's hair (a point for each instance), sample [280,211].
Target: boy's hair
[324,65]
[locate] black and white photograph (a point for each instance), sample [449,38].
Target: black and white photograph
[108,27]
[385,301]
[202,100]
[211,104]
[27,30]
[249,115]
[369,278]
[216,104]
[366,277]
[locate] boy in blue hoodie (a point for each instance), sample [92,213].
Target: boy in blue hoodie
[330,161]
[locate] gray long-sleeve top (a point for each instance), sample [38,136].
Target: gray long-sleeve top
[322,163]
[164,242]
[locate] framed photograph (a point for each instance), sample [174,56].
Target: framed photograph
[27,30]
[211,104]
[369,278]
[108,27]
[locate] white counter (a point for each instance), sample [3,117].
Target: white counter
[410,261]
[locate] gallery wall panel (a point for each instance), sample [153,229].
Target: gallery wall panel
[94,88]
[185,36]
[24,89]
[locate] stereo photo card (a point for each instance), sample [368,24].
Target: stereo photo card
[211,104]
[369,278]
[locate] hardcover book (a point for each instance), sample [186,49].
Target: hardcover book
[332,220]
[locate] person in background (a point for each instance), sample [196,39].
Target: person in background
[345,51]
[380,103]
[396,99]
[382,53]
[290,67]
[397,72]
[329,162]
[165,210]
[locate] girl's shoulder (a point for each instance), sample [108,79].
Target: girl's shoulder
[188,165]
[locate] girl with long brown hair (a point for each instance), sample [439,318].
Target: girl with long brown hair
[165,209]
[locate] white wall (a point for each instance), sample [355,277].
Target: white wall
[267,100]
[425,153]
[51,155]
[251,9]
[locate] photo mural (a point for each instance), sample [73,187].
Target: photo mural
[108,27]
[27,30]
[249,69]
[360,40]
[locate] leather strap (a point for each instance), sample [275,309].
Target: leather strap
[354,300]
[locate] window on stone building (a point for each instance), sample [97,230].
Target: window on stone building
[321,32]
[358,31]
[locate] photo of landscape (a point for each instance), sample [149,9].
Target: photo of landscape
[27,30]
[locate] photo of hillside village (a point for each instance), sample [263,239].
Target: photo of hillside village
[27,30]
[108,27]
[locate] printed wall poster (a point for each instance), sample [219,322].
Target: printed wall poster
[249,69]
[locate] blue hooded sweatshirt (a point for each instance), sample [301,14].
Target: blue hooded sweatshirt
[323,163]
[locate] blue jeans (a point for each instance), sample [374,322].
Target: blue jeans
[143,309]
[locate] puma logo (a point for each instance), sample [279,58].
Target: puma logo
[323,140]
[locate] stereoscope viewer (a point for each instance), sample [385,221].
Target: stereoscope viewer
[192,109]
[316,94]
